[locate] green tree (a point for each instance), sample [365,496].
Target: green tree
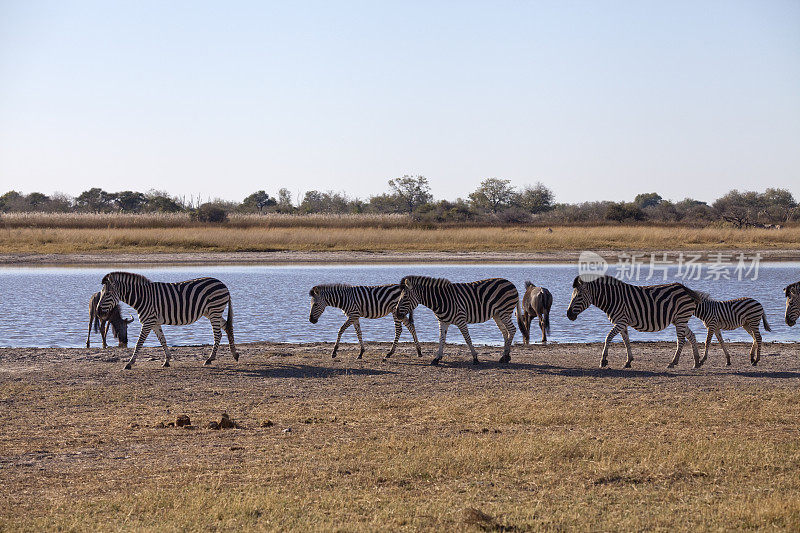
[130,201]
[536,199]
[493,194]
[649,199]
[411,191]
[285,204]
[95,199]
[258,200]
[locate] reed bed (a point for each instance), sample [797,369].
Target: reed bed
[230,238]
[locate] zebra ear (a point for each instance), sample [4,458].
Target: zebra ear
[577,282]
[790,289]
[313,291]
[105,279]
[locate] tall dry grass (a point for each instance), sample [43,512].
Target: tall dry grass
[229,238]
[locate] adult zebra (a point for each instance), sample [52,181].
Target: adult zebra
[361,301]
[169,303]
[792,293]
[744,313]
[644,308]
[462,304]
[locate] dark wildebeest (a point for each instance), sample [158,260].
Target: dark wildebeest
[536,302]
[119,325]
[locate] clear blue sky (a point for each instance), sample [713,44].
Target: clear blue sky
[598,100]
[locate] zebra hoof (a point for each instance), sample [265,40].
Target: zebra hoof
[236,357]
[504,359]
[603,363]
[166,364]
[627,365]
[435,362]
[208,362]
[128,366]
[671,365]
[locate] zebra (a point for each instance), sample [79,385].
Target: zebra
[732,314]
[119,325]
[644,308]
[361,301]
[462,304]
[169,303]
[792,293]
[536,302]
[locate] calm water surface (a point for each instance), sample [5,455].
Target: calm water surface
[49,307]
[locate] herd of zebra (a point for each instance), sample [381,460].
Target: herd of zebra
[643,308]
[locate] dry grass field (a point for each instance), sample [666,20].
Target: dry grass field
[370,234]
[548,442]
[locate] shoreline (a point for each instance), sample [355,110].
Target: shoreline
[360,257]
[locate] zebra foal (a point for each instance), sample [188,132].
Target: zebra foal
[644,308]
[169,303]
[462,304]
[537,302]
[361,301]
[792,293]
[732,314]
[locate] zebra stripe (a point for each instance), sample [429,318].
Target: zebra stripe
[462,304]
[647,308]
[362,301]
[170,303]
[792,293]
[732,314]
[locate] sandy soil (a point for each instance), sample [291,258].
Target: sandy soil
[76,425]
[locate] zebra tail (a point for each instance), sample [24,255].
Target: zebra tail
[764,318]
[411,317]
[520,322]
[547,322]
[229,322]
[96,319]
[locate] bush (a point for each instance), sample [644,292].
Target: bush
[210,213]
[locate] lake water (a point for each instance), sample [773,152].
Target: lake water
[49,307]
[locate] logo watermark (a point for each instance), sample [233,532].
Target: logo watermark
[661,267]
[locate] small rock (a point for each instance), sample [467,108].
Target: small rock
[267,424]
[287,430]
[160,425]
[133,425]
[183,420]
[213,425]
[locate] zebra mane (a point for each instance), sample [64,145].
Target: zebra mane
[425,280]
[528,284]
[125,276]
[325,287]
[704,296]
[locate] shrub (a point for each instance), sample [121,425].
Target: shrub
[210,213]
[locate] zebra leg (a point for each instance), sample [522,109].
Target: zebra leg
[216,327]
[526,334]
[708,343]
[398,329]
[163,341]
[410,325]
[624,333]
[465,332]
[142,337]
[611,334]
[231,344]
[89,336]
[339,337]
[724,348]
[695,350]
[508,330]
[442,337]
[357,325]
[755,351]
[104,332]
[541,326]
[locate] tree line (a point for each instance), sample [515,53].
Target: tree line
[495,201]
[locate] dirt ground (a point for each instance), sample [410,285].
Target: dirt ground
[549,441]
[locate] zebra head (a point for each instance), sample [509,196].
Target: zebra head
[409,297]
[109,297]
[580,300]
[792,303]
[318,303]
